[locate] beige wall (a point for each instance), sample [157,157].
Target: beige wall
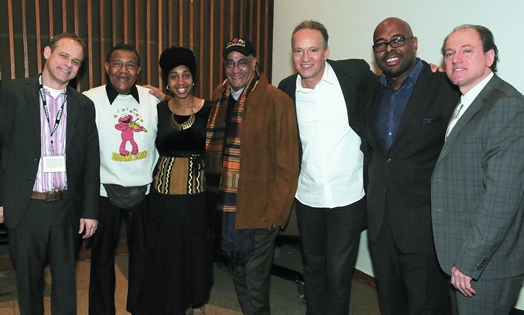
[351,23]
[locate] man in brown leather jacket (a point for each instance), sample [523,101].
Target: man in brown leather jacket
[252,168]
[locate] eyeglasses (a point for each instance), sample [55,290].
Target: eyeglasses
[120,64]
[242,63]
[395,43]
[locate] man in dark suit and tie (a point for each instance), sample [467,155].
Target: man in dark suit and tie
[49,175]
[478,183]
[330,195]
[407,111]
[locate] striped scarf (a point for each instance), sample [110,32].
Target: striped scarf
[222,172]
[223,152]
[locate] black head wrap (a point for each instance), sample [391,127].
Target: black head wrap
[177,56]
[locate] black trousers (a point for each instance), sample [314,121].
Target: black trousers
[408,283]
[47,234]
[105,241]
[330,240]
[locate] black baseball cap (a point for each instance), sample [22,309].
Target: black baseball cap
[242,45]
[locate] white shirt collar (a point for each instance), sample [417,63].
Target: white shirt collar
[328,77]
[236,94]
[54,92]
[470,96]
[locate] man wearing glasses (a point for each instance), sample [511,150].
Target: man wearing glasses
[126,117]
[251,171]
[407,111]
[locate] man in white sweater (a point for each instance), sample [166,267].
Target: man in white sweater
[126,117]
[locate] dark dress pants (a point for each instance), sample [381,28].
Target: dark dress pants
[408,283]
[252,280]
[47,234]
[105,241]
[330,240]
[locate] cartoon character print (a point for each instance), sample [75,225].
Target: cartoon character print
[128,127]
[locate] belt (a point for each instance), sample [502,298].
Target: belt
[49,196]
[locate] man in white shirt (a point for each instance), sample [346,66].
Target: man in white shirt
[330,194]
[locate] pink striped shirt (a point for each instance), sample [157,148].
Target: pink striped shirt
[52,181]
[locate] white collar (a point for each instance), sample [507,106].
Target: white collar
[54,92]
[470,96]
[328,76]
[236,94]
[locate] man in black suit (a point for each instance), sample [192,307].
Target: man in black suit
[49,175]
[330,195]
[407,111]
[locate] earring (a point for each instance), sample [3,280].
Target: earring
[193,84]
[167,87]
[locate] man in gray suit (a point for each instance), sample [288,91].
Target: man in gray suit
[478,183]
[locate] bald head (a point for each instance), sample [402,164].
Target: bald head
[395,50]
[393,22]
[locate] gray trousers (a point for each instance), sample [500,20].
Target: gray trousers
[252,280]
[494,297]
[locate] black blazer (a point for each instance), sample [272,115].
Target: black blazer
[20,150]
[400,180]
[353,76]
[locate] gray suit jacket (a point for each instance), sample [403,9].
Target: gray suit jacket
[478,186]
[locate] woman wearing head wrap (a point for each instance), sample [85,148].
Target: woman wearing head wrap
[178,274]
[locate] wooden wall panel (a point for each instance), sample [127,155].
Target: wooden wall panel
[149,25]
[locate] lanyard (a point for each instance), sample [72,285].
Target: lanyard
[46,109]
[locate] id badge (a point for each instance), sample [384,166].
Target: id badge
[54,163]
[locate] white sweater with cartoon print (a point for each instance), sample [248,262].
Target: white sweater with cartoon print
[127,133]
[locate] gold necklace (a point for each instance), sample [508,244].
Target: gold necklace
[185,125]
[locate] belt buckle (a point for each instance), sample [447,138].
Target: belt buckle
[56,193]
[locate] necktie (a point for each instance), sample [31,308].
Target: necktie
[454,118]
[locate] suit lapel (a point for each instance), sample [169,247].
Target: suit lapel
[413,106]
[415,103]
[31,90]
[72,119]
[346,83]
[292,89]
[468,114]
[371,106]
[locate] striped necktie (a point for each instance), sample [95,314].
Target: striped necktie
[454,118]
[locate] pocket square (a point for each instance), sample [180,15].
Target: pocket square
[430,120]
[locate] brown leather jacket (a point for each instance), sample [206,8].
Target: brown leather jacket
[268,158]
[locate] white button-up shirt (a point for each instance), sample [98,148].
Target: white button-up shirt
[332,163]
[467,99]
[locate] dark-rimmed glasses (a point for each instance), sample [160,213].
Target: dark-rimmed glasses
[242,63]
[395,43]
[120,64]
